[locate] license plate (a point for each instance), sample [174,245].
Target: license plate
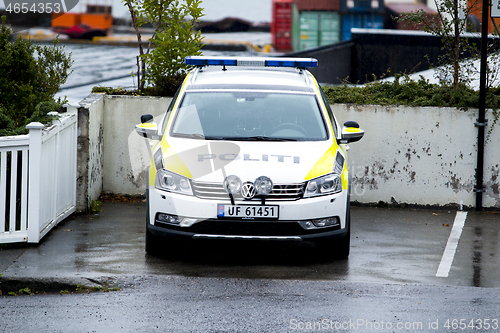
[247,211]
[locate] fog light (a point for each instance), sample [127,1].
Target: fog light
[263,185]
[326,222]
[167,218]
[232,184]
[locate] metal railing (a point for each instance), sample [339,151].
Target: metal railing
[37,179]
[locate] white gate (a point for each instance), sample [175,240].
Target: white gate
[37,179]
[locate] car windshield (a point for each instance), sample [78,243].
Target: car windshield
[259,116]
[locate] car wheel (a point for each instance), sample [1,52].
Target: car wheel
[152,243]
[339,249]
[336,248]
[343,247]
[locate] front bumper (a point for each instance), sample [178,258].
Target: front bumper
[201,222]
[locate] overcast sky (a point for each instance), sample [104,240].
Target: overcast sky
[254,10]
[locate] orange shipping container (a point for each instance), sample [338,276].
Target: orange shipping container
[97,21]
[65,21]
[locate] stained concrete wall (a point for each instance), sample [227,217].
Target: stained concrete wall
[126,154]
[422,156]
[90,151]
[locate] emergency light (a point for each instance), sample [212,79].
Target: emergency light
[251,61]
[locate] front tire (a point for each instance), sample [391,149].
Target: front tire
[152,243]
[341,248]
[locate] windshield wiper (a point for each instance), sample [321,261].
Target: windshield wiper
[260,138]
[231,138]
[199,136]
[190,135]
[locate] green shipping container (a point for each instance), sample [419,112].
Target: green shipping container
[309,21]
[329,21]
[295,27]
[317,29]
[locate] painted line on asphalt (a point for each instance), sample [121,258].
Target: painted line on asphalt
[451,245]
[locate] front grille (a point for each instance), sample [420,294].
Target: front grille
[280,192]
[249,228]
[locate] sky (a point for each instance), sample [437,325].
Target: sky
[254,11]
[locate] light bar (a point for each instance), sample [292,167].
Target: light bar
[251,61]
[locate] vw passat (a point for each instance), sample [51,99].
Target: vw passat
[249,149]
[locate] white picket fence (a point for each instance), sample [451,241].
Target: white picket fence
[37,179]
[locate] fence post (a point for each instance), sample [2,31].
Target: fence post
[34,172]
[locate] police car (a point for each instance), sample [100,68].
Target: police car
[249,149]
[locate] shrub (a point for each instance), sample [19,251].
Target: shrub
[163,66]
[404,91]
[30,76]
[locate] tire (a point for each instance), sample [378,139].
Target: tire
[336,248]
[343,247]
[339,248]
[152,242]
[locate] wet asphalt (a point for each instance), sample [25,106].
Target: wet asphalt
[388,284]
[388,246]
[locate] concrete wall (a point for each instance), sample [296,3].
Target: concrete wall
[90,151]
[126,154]
[422,156]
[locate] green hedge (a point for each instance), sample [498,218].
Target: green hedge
[404,91]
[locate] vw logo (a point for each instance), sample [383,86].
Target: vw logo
[248,190]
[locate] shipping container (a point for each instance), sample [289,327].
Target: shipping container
[477,16]
[66,20]
[355,20]
[318,29]
[395,9]
[318,5]
[295,27]
[97,21]
[281,26]
[361,6]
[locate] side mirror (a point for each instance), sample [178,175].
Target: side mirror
[148,129]
[351,132]
[146,118]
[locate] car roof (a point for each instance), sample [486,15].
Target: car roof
[265,78]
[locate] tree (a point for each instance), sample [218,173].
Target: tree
[452,23]
[173,38]
[30,76]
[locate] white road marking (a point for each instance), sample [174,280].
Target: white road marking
[451,246]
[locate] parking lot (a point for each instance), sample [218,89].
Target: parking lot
[388,246]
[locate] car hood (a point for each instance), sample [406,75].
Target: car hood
[283,162]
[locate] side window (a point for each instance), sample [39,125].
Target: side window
[169,110]
[329,111]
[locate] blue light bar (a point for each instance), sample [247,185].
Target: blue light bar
[251,61]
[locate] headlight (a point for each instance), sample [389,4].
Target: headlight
[339,164]
[329,184]
[158,159]
[172,182]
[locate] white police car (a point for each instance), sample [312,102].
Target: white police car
[249,149]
